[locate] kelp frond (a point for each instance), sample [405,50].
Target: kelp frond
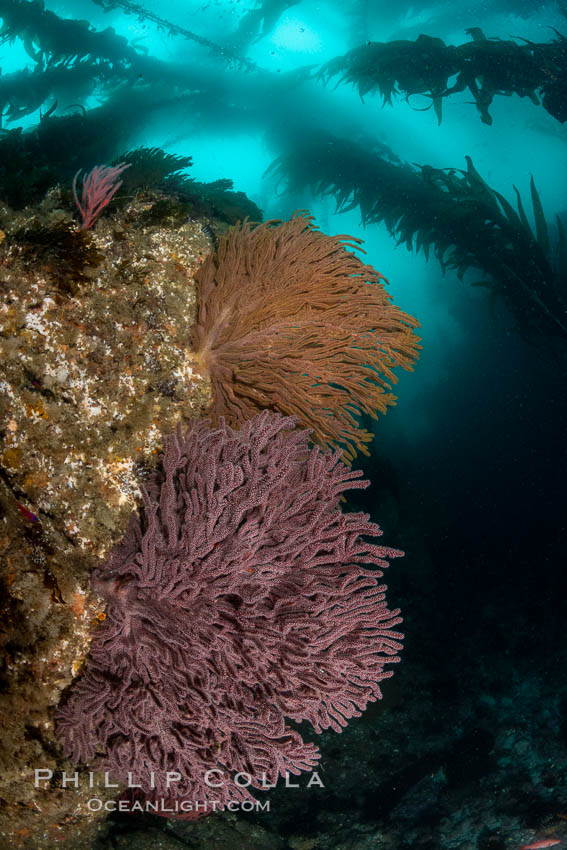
[484,67]
[452,212]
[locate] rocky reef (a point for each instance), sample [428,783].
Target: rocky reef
[94,342]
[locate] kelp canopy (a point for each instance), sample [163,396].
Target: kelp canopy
[484,66]
[469,225]
[47,36]
[73,60]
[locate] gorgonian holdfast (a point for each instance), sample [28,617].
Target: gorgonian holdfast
[236,600]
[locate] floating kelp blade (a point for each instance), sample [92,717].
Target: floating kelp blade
[485,67]
[469,225]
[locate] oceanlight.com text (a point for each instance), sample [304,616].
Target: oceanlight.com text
[196,807]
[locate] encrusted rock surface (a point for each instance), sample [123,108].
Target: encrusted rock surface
[95,353]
